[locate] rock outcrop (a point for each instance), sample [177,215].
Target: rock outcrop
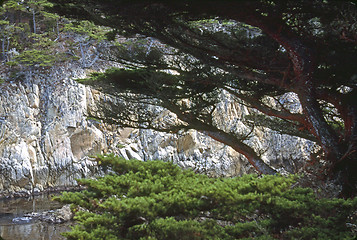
[192,149]
[45,137]
[61,215]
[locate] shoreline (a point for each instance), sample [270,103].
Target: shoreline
[25,194]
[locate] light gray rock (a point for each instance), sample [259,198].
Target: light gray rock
[194,150]
[61,215]
[44,134]
[45,137]
[132,154]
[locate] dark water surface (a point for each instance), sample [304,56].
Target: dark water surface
[14,225]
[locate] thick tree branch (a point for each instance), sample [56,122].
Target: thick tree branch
[225,138]
[254,103]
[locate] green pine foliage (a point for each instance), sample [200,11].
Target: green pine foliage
[28,31]
[33,39]
[88,29]
[158,200]
[34,58]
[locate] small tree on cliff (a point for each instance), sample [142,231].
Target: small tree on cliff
[31,49]
[305,47]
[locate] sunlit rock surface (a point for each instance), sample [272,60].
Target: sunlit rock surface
[46,138]
[44,134]
[192,149]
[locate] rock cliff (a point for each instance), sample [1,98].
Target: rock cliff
[45,137]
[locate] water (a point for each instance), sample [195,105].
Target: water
[15,225]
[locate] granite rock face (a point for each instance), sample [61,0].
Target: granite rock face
[45,137]
[192,149]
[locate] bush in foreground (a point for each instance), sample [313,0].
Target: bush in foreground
[158,200]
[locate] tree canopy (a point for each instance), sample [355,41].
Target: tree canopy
[251,49]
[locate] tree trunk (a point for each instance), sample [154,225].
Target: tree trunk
[7,58]
[319,127]
[3,49]
[34,20]
[346,167]
[340,154]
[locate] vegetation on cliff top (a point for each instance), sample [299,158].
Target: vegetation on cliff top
[33,40]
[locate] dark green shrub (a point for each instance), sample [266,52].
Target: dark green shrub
[158,200]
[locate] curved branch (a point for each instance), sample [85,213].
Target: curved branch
[225,138]
[254,103]
[242,148]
